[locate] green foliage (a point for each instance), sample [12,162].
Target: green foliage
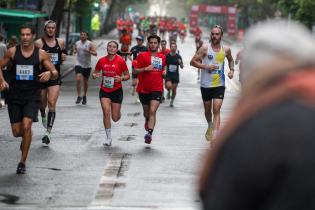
[301,10]
[82,7]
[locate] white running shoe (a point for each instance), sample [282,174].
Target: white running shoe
[108,142]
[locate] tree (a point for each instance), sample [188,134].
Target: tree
[57,13]
[300,10]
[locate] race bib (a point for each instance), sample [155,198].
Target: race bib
[108,82]
[24,72]
[54,58]
[172,68]
[156,63]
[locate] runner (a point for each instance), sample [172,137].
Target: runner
[151,68]
[164,51]
[210,59]
[173,60]
[114,71]
[50,90]
[135,50]
[24,87]
[125,41]
[84,49]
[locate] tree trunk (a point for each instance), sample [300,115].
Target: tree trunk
[107,24]
[57,14]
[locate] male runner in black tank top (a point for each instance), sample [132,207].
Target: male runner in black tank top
[50,90]
[24,87]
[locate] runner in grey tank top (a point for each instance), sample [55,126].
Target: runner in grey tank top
[84,49]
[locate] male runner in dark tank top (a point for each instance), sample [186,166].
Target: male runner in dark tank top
[55,48]
[31,66]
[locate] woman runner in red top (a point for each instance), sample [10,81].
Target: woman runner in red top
[113,70]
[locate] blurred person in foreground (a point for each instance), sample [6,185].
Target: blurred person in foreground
[264,156]
[3,51]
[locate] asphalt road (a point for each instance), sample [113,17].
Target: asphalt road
[77,172]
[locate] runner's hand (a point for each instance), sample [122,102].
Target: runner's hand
[117,78]
[4,85]
[96,75]
[212,67]
[45,76]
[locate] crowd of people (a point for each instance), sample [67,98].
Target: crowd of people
[272,121]
[154,66]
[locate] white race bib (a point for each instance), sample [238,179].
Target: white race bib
[172,68]
[156,63]
[108,82]
[54,58]
[24,72]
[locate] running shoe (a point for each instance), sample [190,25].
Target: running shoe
[208,134]
[168,96]
[79,98]
[172,103]
[44,121]
[147,138]
[108,142]
[21,168]
[84,100]
[46,139]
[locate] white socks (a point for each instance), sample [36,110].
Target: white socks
[108,133]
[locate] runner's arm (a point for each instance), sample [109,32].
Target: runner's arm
[197,58]
[125,76]
[148,68]
[63,49]
[92,50]
[51,72]
[231,62]
[3,62]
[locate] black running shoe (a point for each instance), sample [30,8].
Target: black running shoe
[21,168]
[78,100]
[84,100]
[46,139]
[147,138]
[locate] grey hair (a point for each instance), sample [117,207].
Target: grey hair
[274,38]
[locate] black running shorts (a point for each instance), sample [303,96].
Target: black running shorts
[84,71]
[173,79]
[212,93]
[115,96]
[24,108]
[50,83]
[145,98]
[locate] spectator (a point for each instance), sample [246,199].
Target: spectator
[3,50]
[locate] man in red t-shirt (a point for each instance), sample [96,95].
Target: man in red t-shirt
[151,67]
[164,50]
[113,71]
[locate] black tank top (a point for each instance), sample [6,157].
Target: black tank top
[24,73]
[54,53]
